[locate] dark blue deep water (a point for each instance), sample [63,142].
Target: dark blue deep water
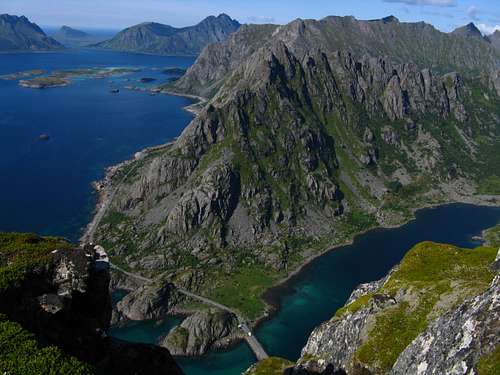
[45,185]
[324,285]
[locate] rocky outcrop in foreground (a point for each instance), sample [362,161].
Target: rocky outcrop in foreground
[436,313]
[59,294]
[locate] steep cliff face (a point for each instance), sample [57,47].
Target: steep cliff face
[161,39]
[401,42]
[19,34]
[299,148]
[437,312]
[59,295]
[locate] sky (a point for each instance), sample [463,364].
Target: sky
[446,15]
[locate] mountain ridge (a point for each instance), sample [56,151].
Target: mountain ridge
[400,42]
[19,34]
[156,38]
[299,147]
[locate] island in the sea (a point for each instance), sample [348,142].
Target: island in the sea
[63,77]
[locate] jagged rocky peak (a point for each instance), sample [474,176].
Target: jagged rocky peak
[414,322]
[395,41]
[469,30]
[495,39]
[19,34]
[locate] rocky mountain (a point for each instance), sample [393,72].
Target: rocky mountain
[435,313]
[69,32]
[495,39]
[55,310]
[470,31]
[300,147]
[419,43]
[70,37]
[19,34]
[202,331]
[161,39]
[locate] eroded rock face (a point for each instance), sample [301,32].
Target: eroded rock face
[202,331]
[148,302]
[334,343]
[67,303]
[69,294]
[454,343]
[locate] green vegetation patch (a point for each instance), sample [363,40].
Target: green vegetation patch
[354,306]
[490,185]
[490,364]
[427,273]
[20,253]
[271,366]
[492,236]
[21,354]
[243,289]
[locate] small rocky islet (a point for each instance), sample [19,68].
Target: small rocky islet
[63,78]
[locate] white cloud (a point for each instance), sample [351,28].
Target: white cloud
[472,12]
[488,29]
[438,3]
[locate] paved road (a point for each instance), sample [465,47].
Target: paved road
[132,275]
[249,337]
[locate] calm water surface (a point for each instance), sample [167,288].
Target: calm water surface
[324,285]
[45,185]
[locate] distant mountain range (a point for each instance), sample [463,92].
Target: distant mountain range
[19,34]
[162,39]
[71,37]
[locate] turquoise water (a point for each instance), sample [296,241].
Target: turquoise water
[147,332]
[325,284]
[45,185]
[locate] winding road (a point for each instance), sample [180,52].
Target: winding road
[249,337]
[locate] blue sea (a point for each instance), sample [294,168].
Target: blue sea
[45,186]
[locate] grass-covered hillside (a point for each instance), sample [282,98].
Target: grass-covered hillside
[492,236]
[386,317]
[22,354]
[21,253]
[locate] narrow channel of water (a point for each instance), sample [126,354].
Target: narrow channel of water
[324,285]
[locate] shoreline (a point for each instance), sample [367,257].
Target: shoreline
[103,186]
[273,301]
[105,191]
